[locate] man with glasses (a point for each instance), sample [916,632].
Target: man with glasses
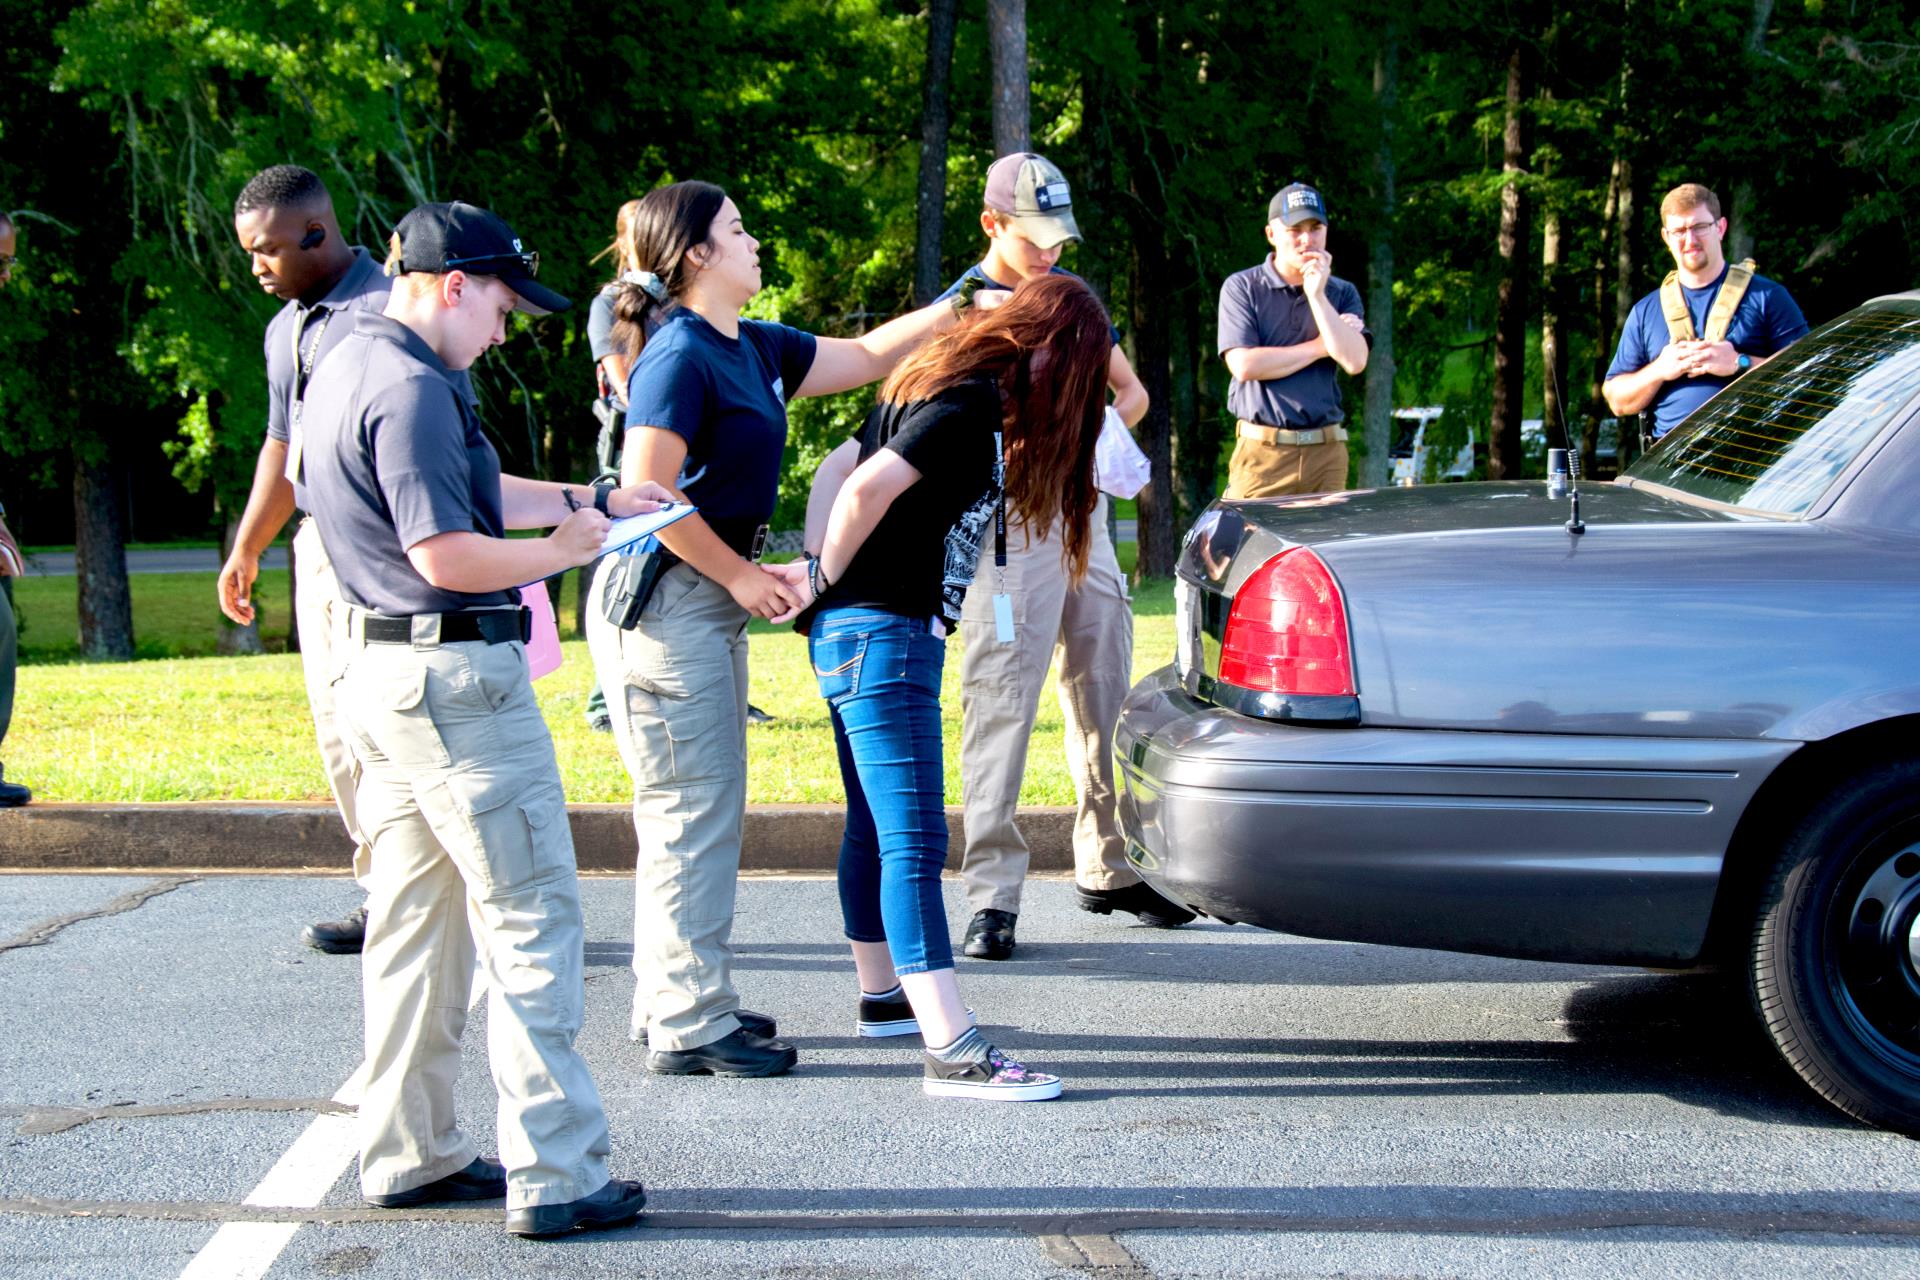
[1708,323]
[285,221]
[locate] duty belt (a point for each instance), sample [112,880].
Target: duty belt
[495,626]
[1287,435]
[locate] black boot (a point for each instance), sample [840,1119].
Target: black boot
[1141,900]
[990,935]
[738,1054]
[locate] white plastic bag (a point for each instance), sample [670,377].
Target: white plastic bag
[1119,468]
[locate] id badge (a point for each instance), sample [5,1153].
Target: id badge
[294,438]
[1003,617]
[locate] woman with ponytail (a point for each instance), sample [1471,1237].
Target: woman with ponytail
[997,419]
[707,416]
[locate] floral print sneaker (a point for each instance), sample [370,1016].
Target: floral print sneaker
[995,1078]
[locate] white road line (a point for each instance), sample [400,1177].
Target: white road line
[300,1179]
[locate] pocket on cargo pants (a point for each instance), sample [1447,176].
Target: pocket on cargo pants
[504,831]
[679,721]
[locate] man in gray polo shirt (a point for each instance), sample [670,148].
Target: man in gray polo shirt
[1285,326]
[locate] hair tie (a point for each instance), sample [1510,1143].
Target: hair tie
[648,283]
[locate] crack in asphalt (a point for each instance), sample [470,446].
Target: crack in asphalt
[38,1121]
[1080,1234]
[47,930]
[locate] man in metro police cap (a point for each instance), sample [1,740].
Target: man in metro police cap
[1286,327]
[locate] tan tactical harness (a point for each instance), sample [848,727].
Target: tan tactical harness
[1680,321]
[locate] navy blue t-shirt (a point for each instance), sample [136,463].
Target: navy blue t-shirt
[727,398]
[1766,320]
[394,456]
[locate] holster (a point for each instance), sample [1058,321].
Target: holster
[631,582]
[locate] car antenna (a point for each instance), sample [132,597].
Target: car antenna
[1563,472]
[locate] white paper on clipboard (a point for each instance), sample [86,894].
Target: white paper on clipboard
[630,529]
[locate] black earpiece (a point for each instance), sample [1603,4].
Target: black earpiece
[314,238]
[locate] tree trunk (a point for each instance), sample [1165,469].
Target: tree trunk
[100,560]
[1378,426]
[1007,50]
[1504,450]
[1553,351]
[1196,436]
[234,639]
[1740,211]
[1152,281]
[1623,293]
[935,116]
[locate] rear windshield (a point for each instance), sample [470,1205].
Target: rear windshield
[1774,440]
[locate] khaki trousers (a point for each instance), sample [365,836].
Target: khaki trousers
[1261,470]
[677,691]
[1089,629]
[471,853]
[317,611]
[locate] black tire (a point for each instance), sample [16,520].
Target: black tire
[1836,955]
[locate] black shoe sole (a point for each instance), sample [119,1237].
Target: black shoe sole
[989,953]
[620,1219]
[777,1067]
[1101,907]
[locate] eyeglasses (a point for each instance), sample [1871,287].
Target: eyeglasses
[531,261]
[1699,230]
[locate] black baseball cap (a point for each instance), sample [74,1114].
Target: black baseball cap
[461,236]
[1296,203]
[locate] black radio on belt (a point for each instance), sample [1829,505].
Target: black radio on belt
[631,582]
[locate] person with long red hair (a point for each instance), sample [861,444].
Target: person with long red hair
[996,419]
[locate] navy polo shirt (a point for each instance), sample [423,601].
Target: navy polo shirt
[321,327]
[394,456]
[1765,322]
[1259,309]
[978,272]
[727,398]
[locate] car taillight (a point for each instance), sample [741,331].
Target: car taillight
[1287,632]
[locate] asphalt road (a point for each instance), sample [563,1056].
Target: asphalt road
[59,564]
[1239,1104]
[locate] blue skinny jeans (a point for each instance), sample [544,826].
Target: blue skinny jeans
[880,675]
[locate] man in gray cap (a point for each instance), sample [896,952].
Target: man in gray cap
[1285,326]
[1028,219]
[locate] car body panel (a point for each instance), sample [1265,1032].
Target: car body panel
[1568,847]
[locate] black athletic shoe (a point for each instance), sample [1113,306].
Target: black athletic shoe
[484,1179]
[1141,900]
[614,1205]
[758,1023]
[879,1018]
[740,1054]
[12,794]
[990,935]
[338,937]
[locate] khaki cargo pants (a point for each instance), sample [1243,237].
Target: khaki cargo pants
[317,611]
[677,691]
[1261,470]
[1089,628]
[460,799]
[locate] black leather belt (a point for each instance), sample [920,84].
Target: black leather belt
[495,626]
[748,537]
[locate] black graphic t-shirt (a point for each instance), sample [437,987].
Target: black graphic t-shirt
[920,558]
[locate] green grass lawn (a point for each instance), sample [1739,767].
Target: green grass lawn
[189,727]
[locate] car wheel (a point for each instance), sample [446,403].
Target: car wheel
[1836,948]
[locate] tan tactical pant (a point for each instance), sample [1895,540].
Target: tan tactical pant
[316,602]
[677,691]
[1261,470]
[1090,629]
[461,799]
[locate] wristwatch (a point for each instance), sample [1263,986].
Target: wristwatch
[602,490]
[1744,363]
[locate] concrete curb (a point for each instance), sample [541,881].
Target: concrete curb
[293,836]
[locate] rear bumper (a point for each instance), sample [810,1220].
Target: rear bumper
[1549,846]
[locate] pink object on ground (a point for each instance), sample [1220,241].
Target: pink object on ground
[543,651]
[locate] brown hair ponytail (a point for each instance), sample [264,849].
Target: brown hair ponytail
[664,224]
